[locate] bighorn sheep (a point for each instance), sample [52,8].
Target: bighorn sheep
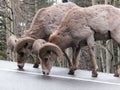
[11,43]
[88,24]
[44,23]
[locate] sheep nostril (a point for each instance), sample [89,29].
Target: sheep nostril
[43,72]
[47,73]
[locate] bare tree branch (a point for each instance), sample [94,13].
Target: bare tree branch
[8,6]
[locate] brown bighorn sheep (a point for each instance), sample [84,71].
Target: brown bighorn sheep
[88,24]
[11,43]
[44,23]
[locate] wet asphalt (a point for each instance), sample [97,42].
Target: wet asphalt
[32,79]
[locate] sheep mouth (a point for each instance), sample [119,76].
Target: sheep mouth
[45,73]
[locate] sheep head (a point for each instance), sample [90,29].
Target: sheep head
[23,49]
[49,53]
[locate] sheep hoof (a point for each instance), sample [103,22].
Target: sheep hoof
[35,66]
[71,72]
[116,75]
[94,74]
[20,67]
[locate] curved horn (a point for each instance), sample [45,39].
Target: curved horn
[22,42]
[50,47]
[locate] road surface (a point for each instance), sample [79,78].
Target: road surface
[32,79]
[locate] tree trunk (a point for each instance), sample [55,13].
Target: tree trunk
[93,2]
[106,1]
[108,56]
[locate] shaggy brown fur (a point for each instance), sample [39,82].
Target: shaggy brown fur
[47,19]
[88,24]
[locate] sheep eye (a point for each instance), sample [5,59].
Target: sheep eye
[60,34]
[30,47]
[21,54]
[46,59]
[48,52]
[26,44]
[15,40]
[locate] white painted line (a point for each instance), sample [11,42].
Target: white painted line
[63,77]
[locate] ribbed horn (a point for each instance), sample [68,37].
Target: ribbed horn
[22,42]
[50,47]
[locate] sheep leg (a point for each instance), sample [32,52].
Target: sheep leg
[74,60]
[115,35]
[95,67]
[37,62]
[117,72]
[69,61]
[90,42]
